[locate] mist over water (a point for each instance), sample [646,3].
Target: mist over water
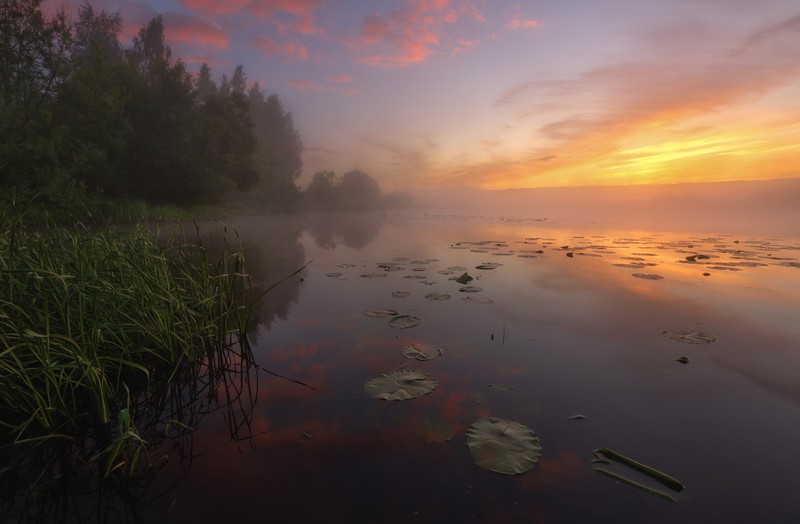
[728,207]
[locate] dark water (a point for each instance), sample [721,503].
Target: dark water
[564,335]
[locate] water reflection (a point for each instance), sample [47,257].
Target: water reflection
[564,335]
[354,230]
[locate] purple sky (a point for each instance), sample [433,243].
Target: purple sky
[498,94]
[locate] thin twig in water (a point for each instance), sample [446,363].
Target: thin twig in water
[283,377]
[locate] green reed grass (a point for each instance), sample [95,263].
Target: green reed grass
[94,325]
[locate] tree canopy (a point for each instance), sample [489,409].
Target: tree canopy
[81,114]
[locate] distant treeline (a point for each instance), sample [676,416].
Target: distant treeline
[82,117]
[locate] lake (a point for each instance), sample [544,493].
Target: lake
[572,334]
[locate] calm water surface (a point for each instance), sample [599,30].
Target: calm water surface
[570,331]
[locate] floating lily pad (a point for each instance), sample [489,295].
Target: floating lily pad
[404,321]
[373,275]
[471,289]
[380,313]
[488,265]
[457,268]
[648,276]
[422,352]
[437,296]
[333,275]
[682,360]
[503,446]
[400,294]
[637,474]
[478,300]
[689,336]
[402,384]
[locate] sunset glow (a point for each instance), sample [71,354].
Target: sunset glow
[494,95]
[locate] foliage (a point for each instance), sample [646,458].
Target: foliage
[102,334]
[355,190]
[80,116]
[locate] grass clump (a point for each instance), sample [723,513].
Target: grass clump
[107,340]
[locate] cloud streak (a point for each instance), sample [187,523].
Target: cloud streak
[411,34]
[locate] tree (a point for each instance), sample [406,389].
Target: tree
[321,191]
[279,148]
[204,86]
[92,103]
[33,64]
[358,190]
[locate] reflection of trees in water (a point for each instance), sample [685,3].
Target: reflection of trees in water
[272,252]
[355,229]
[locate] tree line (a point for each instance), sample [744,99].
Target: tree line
[82,115]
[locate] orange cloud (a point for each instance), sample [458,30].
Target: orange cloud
[659,120]
[292,52]
[410,34]
[523,23]
[194,30]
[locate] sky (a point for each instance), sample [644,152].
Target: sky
[496,94]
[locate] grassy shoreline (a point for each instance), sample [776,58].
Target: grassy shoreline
[109,343]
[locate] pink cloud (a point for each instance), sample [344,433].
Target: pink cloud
[289,15]
[291,51]
[409,34]
[194,30]
[215,7]
[286,15]
[303,84]
[522,23]
[341,79]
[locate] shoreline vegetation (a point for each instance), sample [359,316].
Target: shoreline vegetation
[113,345]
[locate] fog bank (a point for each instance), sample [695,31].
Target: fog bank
[766,207]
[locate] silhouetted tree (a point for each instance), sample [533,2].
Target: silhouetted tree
[33,64]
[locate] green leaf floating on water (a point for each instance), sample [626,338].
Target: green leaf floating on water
[689,336]
[402,384]
[422,353]
[380,313]
[503,446]
[404,321]
[637,474]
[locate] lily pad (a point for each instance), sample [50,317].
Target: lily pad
[333,275]
[478,300]
[437,296]
[471,289]
[422,352]
[503,446]
[400,294]
[404,321]
[373,275]
[380,313]
[689,336]
[488,265]
[648,276]
[401,384]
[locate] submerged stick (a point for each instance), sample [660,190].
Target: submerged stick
[284,377]
[660,476]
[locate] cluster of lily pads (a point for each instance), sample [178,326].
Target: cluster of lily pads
[506,446]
